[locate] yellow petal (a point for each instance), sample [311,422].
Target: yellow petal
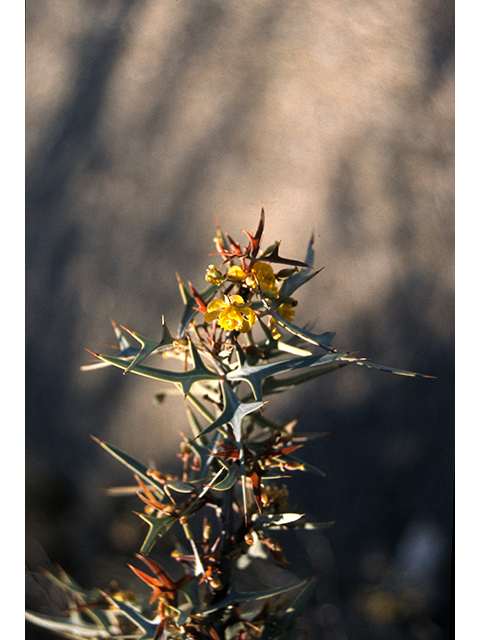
[231,319]
[236,273]
[213,309]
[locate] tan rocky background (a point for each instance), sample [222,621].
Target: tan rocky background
[148,120]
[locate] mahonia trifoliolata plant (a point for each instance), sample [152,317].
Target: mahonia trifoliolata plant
[236,345]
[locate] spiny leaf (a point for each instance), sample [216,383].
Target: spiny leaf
[77,629]
[125,349]
[147,626]
[274,385]
[135,466]
[399,372]
[148,346]
[257,238]
[275,519]
[190,309]
[204,453]
[303,466]
[254,375]
[320,339]
[68,584]
[295,281]
[287,347]
[324,339]
[228,480]
[236,597]
[221,236]
[180,487]
[273,256]
[233,413]
[183,379]
[297,606]
[158,526]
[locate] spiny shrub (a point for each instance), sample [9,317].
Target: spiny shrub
[236,345]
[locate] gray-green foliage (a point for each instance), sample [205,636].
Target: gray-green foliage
[236,345]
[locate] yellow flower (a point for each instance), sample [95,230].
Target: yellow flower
[285,310]
[232,312]
[214,275]
[262,275]
[236,273]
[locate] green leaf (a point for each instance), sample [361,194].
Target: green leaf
[125,349]
[274,385]
[158,526]
[180,487]
[147,626]
[271,254]
[381,367]
[148,346]
[66,582]
[237,597]
[254,375]
[137,467]
[234,411]
[183,379]
[324,340]
[320,339]
[203,452]
[228,480]
[298,605]
[194,422]
[275,519]
[295,281]
[305,466]
[77,629]
[190,309]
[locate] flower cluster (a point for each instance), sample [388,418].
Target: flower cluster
[229,469]
[256,282]
[232,312]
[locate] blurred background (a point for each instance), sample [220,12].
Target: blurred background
[146,122]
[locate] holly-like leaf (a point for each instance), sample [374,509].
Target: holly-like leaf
[277,385]
[227,480]
[191,304]
[76,629]
[322,340]
[234,411]
[125,349]
[303,275]
[298,465]
[399,372]
[148,627]
[149,346]
[257,238]
[272,255]
[295,609]
[183,379]
[255,375]
[275,519]
[137,467]
[157,526]
[237,597]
